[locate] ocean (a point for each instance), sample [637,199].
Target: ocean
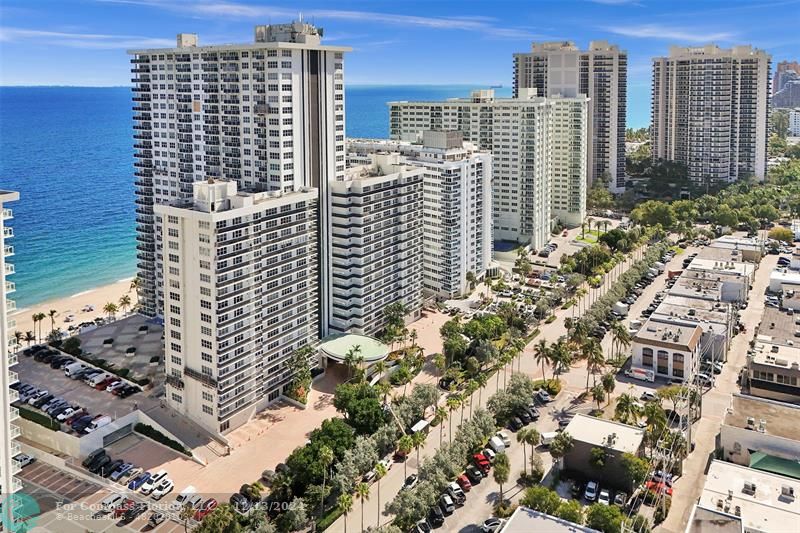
[68,152]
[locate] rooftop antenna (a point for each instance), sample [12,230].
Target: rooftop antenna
[300,15]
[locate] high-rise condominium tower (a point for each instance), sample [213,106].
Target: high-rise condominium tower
[710,111]
[601,73]
[376,260]
[532,180]
[8,448]
[457,205]
[240,297]
[269,113]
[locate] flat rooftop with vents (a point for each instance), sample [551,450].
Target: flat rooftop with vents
[767,416]
[778,327]
[669,335]
[606,433]
[765,502]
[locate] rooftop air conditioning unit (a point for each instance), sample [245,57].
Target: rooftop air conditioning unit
[749,488]
[787,491]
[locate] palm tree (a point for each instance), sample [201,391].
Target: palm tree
[453,401]
[325,459]
[124,302]
[52,314]
[110,309]
[30,337]
[440,362]
[579,294]
[481,380]
[441,415]
[135,284]
[351,359]
[405,444]
[620,337]
[609,384]
[380,368]
[469,392]
[186,514]
[413,336]
[532,438]
[362,491]
[626,408]
[345,504]
[18,339]
[418,440]
[542,355]
[502,470]
[522,434]
[598,394]
[380,471]
[39,318]
[561,357]
[595,359]
[471,280]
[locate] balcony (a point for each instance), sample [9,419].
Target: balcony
[8,233]
[14,414]
[15,431]
[11,306]
[7,214]
[9,269]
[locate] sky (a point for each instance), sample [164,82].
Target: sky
[442,42]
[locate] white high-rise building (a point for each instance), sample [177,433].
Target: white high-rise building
[8,413]
[601,73]
[241,295]
[710,111]
[457,205]
[270,113]
[520,133]
[794,122]
[376,237]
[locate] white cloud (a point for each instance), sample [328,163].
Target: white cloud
[658,31]
[222,8]
[82,40]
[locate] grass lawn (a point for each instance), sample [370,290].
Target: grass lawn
[590,236]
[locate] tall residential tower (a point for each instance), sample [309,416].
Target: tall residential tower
[8,430]
[710,111]
[601,73]
[269,113]
[534,180]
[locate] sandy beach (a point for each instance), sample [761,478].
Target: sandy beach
[74,304]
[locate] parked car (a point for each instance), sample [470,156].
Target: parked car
[490,455]
[455,492]
[543,396]
[422,527]
[205,509]
[111,502]
[492,525]
[590,494]
[515,424]
[504,437]
[240,504]
[138,481]
[410,482]
[131,514]
[97,466]
[620,499]
[66,413]
[92,456]
[23,460]
[114,385]
[123,508]
[436,517]
[107,469]
[156,519]
[163,488]
[464,483]
[605,497]
[649,396]
[120,471]
[473,474]
[148,486]
[447,504]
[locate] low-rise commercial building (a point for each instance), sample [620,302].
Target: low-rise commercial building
[784,279]
[703,520]
[761,434]
[376,244]
[751,248]
[773,371]
[717,320]
[764,502]
[616,439]
[525,520]
[672,350]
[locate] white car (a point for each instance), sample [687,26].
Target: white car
[162,489]
[148,486]
[23,460]
[112,501]
[115,385]
[648,396]
[504,437]
[66,414]
[590,494]
[605,497]
[544,396]
[387,463]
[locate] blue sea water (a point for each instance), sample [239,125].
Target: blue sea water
[68,151]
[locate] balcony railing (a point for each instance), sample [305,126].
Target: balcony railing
[10,287]
[15,431]
[8,250]
[7,214]
[8,233]
[11,306]
[9,269]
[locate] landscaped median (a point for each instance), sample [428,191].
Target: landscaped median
[39,418]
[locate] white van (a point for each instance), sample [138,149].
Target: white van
[74,368]
[496,444]
[98,378]
[642,374]
[547,438]
[185,494]
[98,423]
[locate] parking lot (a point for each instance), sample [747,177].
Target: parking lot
[76,392]
[70,504]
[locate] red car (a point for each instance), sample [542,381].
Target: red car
[656,486]
[481,462]
[205,509]
[103,384]
[463,482]
[124,507]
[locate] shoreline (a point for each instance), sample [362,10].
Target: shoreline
[73,305]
